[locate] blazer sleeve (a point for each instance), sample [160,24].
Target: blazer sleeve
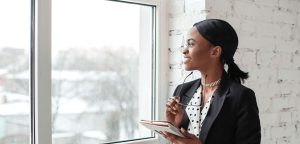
[248,129]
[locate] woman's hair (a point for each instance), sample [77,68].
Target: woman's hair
[220,33]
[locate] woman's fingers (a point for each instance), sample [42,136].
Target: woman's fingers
[188,139]
[171,110]
[189,135]
[170,137]
[175,98]
[184,132]
[172,106]
[173,102]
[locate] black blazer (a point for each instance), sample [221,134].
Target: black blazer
[233,115]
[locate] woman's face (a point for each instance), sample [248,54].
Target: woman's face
[197,53]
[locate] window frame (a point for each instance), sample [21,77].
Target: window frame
[40,69]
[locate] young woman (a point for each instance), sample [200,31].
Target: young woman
[215,109]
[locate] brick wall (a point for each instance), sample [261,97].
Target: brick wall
[269,49]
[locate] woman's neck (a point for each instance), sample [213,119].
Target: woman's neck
[211,75]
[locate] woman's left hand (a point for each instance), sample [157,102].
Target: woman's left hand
[188,139]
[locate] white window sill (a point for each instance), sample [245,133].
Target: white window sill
[144,141]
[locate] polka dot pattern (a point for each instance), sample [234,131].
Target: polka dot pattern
[196,115]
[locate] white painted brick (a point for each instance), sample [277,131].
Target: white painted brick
[266,43]
[264,105]
[237,56]
[296,114]
[283,103]
[272,3]
[178,22]
[265,132]
[298,18]
[279,132]
[275,59]
[248,57]
[249,41]
[264,140]
[184,21]
[284,16]
[284,140]
[285,46]
[288,30]
[176,6]
[285,117]
[296,117]
[289,75]
[268,58]
[176,40]
[222,5]
[270,119]
[273,90]
[295,140]
[269,29]
[194,6]
[212,14]
[246,9]
[191,19]
[285,60]
[249,27]
[297,32]
[265,76]
[291,88]
[265,13]
[296,60]
[289,5]
[235,22]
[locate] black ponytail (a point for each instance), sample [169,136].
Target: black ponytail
[221,33]
[235,73]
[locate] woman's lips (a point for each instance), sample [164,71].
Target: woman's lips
[186,60]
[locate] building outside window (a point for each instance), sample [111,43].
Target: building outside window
[14,71]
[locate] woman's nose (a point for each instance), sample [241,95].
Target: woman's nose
[185,50]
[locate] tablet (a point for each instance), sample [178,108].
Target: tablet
[161,126]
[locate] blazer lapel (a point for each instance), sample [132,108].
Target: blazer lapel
[187,96]
[216,105]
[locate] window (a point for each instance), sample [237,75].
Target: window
[103,70]
[14,71]
[81,71]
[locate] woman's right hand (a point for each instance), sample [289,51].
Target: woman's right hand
[174,112]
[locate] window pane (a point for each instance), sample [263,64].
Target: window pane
[14,71]
[101,71]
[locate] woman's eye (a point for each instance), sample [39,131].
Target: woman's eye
[189,44]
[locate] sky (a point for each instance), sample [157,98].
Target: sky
[15,23]
[94,23]
[75,23]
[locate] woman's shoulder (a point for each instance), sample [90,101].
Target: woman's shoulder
[242,92]
[237,87]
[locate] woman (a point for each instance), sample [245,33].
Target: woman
[215,109]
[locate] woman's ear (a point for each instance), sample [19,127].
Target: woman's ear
[216,51]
